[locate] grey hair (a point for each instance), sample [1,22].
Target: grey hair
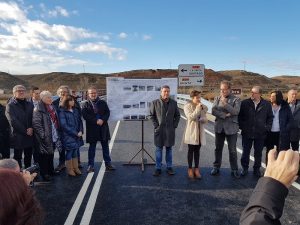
[44,94]
[227,83]
[17,87]
[258,88]
[63,87]
[9,164]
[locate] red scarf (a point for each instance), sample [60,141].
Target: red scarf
[53,116]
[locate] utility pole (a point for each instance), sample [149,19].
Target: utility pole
[83,68]
[244,65]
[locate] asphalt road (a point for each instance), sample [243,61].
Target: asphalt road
[128,196]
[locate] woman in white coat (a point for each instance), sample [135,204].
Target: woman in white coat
[194,135]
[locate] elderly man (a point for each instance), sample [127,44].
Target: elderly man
[165,117]
[295,128]
[226,109]
[255,120]
[19,115]
[96,113]
[12,164]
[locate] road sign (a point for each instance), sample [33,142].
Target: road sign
[236,91]
[191,70]
[191,74]
[190,81]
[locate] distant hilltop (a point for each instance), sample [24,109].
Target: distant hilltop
[81,81]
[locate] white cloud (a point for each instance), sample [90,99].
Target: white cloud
[115,53]
[147,37]
[34,43]
[11,12]
[56,12]
[123,35]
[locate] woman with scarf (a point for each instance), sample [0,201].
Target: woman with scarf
[46,129]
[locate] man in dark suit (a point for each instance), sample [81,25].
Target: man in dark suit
[294,104]
[96,113]
[19,114]
[255,120]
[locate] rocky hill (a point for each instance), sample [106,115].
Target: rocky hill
[81,81]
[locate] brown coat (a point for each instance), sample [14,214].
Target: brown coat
[194,132]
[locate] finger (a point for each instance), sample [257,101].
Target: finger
[272,155]
[295,161]
[281,155]
[288,158]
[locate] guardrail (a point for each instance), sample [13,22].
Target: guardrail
[182,99]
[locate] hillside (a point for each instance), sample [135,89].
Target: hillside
[8,81]
[246,80]
[81,81]
[290,81]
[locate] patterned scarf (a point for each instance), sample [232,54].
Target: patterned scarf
[53,116]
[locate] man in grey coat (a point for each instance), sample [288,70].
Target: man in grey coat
[295,128]
[226,109]
[165,117]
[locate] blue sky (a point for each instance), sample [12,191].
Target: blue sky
[119,35]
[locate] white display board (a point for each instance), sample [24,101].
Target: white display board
[130,99]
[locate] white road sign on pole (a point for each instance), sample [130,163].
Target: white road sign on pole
[191,74]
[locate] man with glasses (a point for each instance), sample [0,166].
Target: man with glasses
[255,120]
[19,115]
[96,113]
[226,109]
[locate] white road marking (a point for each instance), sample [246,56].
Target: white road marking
[72,215]
[93,197]
[75,208]
[295,184]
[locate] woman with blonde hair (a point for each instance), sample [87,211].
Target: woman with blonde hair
[194,135]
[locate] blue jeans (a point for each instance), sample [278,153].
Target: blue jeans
[71,154]
[105,151]
[258,148]
[158,155]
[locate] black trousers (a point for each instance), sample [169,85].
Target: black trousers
[62,156]
[219,141]
[295,145]
[4,146]
[46,164]
[272,140]
[27,156]
[193,153]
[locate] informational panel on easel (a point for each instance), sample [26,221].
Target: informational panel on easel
[130,99]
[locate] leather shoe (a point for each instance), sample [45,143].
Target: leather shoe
[235,174]
[215,171]
[244,172]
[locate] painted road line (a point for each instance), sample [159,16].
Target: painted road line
[93,197]
[295,184]
[72,215]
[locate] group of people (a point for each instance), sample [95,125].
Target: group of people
[38,126]
[274,124]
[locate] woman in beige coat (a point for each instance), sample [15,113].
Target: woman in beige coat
[194,135]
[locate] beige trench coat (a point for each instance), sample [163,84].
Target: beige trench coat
[196,118]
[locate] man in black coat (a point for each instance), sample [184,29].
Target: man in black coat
[4,134]
[255,120]
[19,114]
[295,126]
[96,113]
[266,203]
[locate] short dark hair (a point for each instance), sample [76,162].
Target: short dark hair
[33,88]
[279,97]
[165,86]
[194,93]
[65,103]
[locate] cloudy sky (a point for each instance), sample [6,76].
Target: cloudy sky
[117,35]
